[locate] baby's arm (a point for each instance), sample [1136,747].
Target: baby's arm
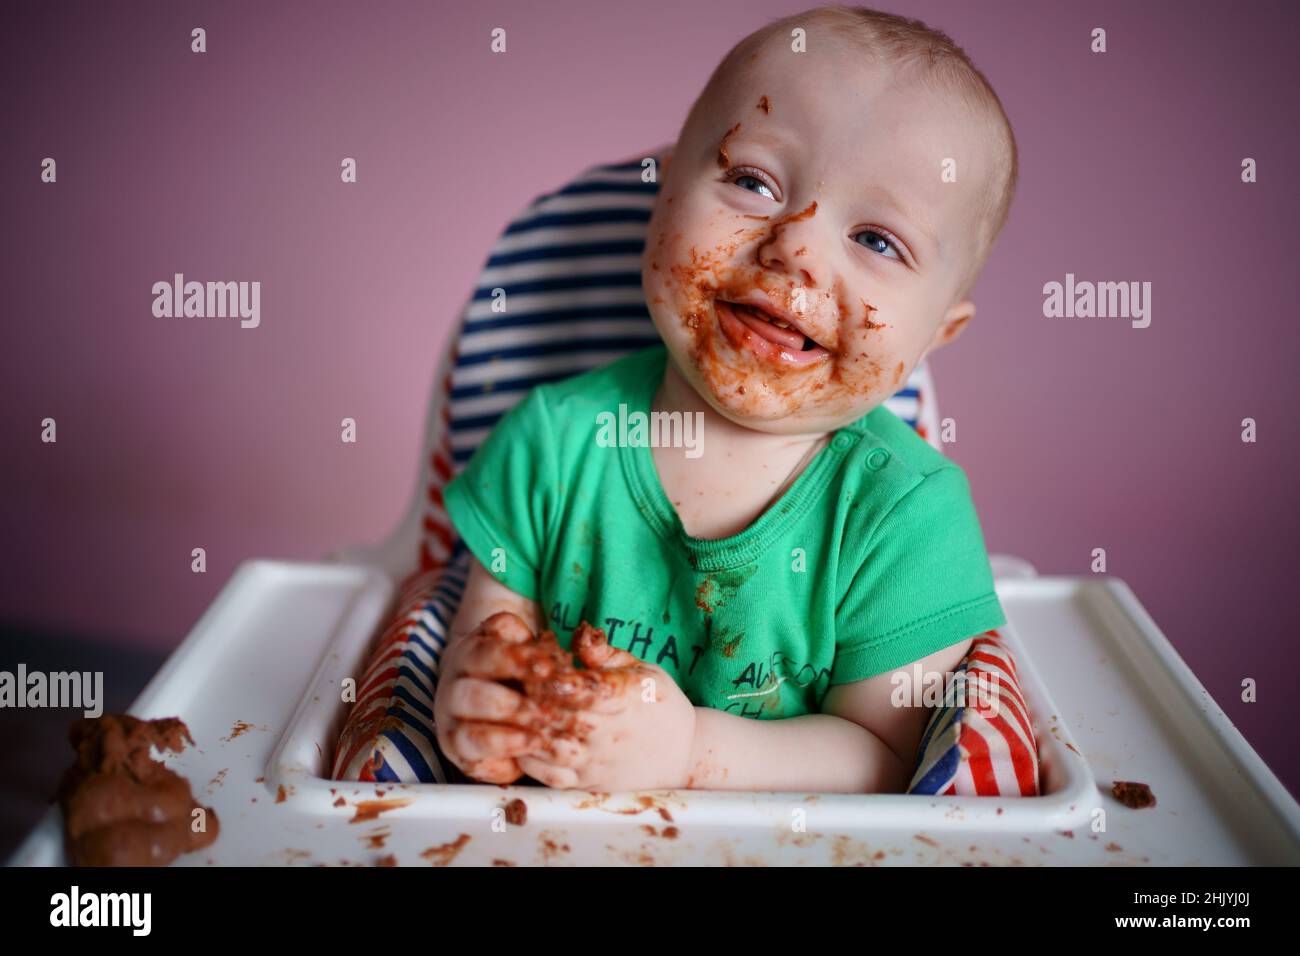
[859,743]
[484,596]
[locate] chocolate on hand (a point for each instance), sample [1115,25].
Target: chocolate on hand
[537,693]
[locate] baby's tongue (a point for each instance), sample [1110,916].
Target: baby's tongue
[787,338]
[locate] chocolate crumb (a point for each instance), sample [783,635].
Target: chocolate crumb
[444,853]
[1135,796]
[516,812]
[371,809]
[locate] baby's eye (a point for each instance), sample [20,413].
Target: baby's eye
[878,242]
[742,182]
[747,180]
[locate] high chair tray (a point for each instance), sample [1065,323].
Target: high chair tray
[258,682]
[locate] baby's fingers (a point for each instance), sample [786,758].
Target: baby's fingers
[494,770]
[497,660]
[469,698]
[561,752]
[477,740]
[598,691]
[507,627]
[592,647]
[561,778]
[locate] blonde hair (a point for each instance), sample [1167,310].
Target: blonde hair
[937,60]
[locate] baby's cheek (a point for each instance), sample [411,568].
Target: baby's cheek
[656,281]
[664,248]
[864,374]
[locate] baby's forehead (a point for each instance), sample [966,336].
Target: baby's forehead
[842,113]
[777,56]
[838,71]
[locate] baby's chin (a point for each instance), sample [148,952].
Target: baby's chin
[778,419]
[759,408]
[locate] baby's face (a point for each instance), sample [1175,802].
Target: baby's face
[812,187]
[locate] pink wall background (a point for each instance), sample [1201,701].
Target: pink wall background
[175,434]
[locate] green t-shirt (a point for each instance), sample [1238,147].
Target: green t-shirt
[872,558]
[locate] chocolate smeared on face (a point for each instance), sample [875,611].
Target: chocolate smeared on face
[870,310]
[718,353]
[806,213]
[724,160]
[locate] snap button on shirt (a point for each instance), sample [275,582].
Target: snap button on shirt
[877,458]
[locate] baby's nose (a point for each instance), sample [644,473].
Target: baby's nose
[791,251]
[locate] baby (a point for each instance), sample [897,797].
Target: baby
[740,615]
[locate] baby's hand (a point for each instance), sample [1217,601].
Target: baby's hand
[622,724]
[509,703]
[482,724]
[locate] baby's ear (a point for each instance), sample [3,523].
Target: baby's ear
[954,321]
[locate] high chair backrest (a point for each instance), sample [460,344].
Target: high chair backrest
[569,269]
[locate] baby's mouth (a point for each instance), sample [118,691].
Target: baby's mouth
[767,335]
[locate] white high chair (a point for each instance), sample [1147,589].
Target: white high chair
[258,679]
